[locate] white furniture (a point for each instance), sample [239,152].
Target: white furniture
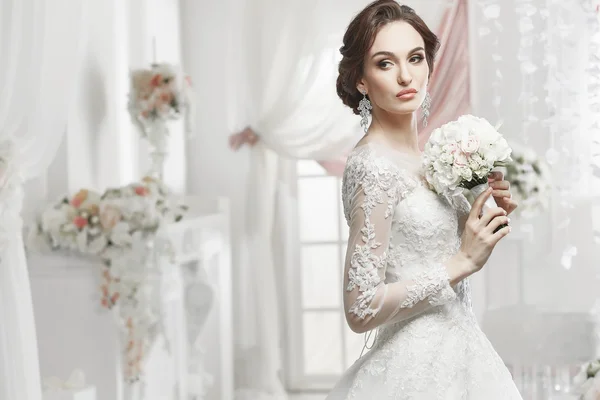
[75,332]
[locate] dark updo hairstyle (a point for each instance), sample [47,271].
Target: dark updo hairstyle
[360,36]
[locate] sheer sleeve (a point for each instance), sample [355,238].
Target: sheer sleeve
[371,191]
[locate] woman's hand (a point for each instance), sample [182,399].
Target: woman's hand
[501,192]
[478,238]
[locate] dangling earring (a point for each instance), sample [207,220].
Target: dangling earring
[425,106]
[365,108]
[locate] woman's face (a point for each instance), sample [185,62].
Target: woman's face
[395,69]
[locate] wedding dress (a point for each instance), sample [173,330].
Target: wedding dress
[429,345]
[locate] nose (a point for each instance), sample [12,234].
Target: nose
[404,76]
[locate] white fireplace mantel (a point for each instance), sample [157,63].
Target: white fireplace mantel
[74,331]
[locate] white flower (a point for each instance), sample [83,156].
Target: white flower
[98,244]
[460,150]
[120,235]
[52,219]
[469,143]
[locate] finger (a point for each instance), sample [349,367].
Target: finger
[511,205]
[505,194]
[500,234]
[477,208]
[495,176]
[496,222]
[505,185]
[490,214]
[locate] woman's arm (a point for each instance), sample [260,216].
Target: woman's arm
[368,301]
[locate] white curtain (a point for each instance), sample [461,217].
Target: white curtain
[39,57]
[288,97]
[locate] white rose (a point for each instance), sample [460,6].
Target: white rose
[469,144]
[120,234]
[465,173]
[97,245]
[52,219]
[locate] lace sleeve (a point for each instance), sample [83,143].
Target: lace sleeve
[371,191]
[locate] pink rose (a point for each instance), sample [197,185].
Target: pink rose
[460,159]
[80,222]
[469,144]
[141,191]
[79,198]
[109,216]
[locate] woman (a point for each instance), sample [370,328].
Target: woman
[410,251]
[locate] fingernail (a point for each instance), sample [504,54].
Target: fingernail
[508,219]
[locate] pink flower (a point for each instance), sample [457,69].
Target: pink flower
[141,191]
[156,80]
[469,144]
[109,216]
[79,198]
[451,148]
[80,222]
[460,159]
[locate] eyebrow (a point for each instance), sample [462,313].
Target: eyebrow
[390,54]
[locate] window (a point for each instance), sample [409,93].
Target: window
[325,346]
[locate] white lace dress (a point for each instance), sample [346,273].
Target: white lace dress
[429,345]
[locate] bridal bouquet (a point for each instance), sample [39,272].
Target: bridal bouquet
[461,154]
[588,381]
[530,180]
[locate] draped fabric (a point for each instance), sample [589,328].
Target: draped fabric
[40,45]
[291,106]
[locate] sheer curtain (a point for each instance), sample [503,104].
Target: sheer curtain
[292,105]
[39,52]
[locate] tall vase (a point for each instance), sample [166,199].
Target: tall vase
[157,134]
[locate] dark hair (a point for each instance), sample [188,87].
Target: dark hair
[360,36]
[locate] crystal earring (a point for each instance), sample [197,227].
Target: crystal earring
[365,108]
[425,106]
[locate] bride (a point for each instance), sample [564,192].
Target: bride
[410,251]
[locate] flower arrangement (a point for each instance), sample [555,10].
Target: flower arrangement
[530,180]
[118,227]
[588,381]
[159,94]
[461,154]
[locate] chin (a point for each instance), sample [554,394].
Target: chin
[402,109]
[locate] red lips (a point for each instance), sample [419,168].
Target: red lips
[406,91]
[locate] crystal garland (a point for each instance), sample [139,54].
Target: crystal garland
[592,10]
[566,96]
[490,9]
[526,12]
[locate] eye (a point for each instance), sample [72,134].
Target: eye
[416,59]
[384,64]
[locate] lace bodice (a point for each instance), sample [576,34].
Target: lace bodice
[401,234]
[429,345]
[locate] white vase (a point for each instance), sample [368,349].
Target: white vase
[156,134]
